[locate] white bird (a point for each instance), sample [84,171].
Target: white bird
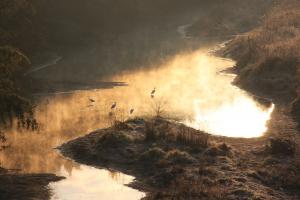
[131,111]
[113,106]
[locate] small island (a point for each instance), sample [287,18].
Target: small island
[173,161]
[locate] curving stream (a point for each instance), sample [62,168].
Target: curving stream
[189,89]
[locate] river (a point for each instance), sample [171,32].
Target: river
[189,88]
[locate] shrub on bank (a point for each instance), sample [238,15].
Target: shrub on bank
[179,157]
[152,155]
[281,146]
[161,129]
[268,57]
[219,150]
[114,139]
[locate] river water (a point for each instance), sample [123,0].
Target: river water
[188,88]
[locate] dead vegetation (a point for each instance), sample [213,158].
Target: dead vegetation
[268,65]
[158,150]
[188,188]
[172,161]
[281,146]
[268,57]
[181,134]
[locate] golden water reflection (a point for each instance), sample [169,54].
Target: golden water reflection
[93,184]
[189,88]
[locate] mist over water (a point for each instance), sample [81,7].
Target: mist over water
[188,88]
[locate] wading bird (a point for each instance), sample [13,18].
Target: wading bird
[92,100]
[153,92]
[131,111]
[113,106]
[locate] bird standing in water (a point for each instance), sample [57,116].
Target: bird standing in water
[92,100]
[113,106]
[153,92]
[131,111]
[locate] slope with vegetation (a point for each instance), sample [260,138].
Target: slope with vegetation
[268,57]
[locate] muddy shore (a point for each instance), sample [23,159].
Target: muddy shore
[15,186]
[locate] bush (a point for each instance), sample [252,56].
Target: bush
[152,155]
[219,150]
[114,139]
[281,146]
[162,129]
[179,157]
[189,136]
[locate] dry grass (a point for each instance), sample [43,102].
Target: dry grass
[281,146]
[278,36]
[177,156]
[268,57]
[152,155]
[160,129]
[186,188]
[281,176]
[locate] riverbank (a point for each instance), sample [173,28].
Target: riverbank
[16,186]
[268,66]
[267,56]
[170,160]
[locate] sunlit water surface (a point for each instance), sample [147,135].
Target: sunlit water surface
[94,184]
[189,88]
